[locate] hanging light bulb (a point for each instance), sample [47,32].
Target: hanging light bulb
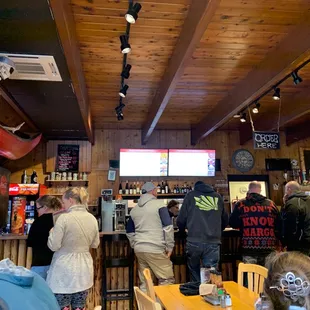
[123,91]
[132,14]
[125,46]
[255,109]
[276,95]
[243,117]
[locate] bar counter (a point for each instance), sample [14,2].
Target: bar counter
[14,247]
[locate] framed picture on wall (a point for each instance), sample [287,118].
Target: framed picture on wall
[112,175]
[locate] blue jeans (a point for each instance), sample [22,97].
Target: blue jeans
[41,270]
[206,253]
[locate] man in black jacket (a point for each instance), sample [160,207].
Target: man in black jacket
[258,219]
[296,219]
[204,216]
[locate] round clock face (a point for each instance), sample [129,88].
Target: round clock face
[243,160]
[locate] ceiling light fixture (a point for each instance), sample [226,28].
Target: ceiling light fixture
[126,72]
[237,115]
[132,14]
[125,46]
[276,95]
[119,111]
[296,78]
[255,109]
[123,91]
[243,117]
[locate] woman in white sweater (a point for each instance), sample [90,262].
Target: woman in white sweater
[71,274]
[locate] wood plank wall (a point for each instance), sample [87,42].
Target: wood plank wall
[109,141]
[84,158]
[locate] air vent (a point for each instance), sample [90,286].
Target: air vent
[34,67]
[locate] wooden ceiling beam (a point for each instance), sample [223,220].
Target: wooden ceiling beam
[198,18]
[19,111]
[65,23]
[297,133]
[293,107]
[288,55]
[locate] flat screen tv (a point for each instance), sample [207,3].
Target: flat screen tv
[143,162]
[191,163]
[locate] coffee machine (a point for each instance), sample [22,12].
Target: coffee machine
[113,212]
[119,218]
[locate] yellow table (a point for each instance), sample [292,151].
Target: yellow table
[172,299]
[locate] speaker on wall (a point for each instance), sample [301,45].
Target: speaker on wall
[114,163]
[218,165]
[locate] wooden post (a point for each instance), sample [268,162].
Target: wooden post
[7,249]
[14,251]
[21,261]
[29,258]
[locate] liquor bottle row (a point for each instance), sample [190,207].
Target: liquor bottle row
[29,179]
[163,188]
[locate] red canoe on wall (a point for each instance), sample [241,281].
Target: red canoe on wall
[14,147]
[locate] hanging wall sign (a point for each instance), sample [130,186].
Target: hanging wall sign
[68,158]
[266,140]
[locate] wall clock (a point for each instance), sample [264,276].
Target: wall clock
[243,160]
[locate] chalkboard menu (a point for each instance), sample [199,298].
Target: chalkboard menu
[266,140]
[67,158]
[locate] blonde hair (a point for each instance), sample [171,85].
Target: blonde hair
[278,265]
[79,194]
[50,202]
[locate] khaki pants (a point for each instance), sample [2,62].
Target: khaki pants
[159,265]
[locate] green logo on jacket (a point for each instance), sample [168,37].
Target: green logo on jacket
[206,203]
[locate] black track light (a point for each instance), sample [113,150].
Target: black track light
[123,91]
[120,116]
[296,78]
[125,46]
[255,109]
[126,72]
[132,14]
[276,95]
[119,108]
[119,111]
[243,117]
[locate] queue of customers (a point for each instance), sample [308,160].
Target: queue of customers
[62,235]
[60,239]
[262,226]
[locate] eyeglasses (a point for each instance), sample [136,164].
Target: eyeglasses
[40,207]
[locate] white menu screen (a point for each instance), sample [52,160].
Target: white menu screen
[191,163]
[143,162]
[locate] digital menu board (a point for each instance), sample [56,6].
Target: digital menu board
[189,162]
[144,162]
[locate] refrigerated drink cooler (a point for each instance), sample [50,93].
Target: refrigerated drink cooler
[21,209]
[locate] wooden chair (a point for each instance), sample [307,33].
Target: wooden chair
[256,276]
[145,302]
[149,283]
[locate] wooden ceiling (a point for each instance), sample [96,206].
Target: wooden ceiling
[239,37]
[195,63]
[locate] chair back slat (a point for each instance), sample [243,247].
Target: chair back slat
[149,283]
[145,302]
[256,276]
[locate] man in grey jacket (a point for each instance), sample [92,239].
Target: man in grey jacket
[150,232]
